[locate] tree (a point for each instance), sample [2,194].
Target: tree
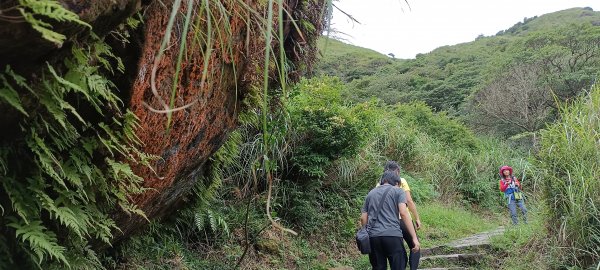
[515,102]
[569,57]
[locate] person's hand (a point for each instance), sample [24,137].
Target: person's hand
[418,224]
[417,246]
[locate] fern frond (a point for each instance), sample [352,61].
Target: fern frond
[133,209]
[19,80]
[71,174]
[42,241]
[71,217]
[122,170]
[52,10]
[103,227]
[21,204]
[199,221]
[3,165]
[101,86]
[45,157]
[102,49]
[48,99]
[83,257]
[223,224]
[10,96]
[43,28]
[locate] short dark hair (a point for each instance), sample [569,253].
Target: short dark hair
[390,177]
[391,165]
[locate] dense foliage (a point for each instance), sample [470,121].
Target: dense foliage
[322,147]
[328,154]
[328,138]
[503,84]
[56,193]
[570,159]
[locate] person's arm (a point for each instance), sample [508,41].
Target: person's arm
[503,185]
[363,218]
[364,212]
[412,207]
[407,222]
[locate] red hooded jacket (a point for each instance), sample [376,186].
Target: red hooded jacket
[505,181]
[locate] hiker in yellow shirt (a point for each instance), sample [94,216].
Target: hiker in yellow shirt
[415,256]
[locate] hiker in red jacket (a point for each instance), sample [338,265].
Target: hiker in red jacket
[511,187]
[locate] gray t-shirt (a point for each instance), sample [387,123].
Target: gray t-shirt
[387,223]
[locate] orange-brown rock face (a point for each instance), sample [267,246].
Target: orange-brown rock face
[220,65]
[234,65]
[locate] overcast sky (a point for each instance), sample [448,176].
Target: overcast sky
[390,26]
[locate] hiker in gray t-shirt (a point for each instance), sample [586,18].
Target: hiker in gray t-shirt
[384,229]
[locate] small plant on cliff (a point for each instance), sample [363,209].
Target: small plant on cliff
[36,11]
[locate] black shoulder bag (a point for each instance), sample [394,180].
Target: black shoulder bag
[362,236]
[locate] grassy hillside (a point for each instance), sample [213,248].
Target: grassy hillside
[555,19]
[555,53]
[348,62]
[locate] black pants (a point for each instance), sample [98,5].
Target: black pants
[386,249]
[413,259]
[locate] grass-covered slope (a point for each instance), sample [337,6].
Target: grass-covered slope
[448,77]
[348,62]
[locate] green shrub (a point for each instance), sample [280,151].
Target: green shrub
[437,125]
[570,158]
[324,128]
[421,191]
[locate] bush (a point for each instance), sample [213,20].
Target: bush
[569,156]
[421,191]
[324,128]
[438,125]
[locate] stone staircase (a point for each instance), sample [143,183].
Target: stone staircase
[472,252]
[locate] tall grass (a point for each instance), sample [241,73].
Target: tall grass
[570,159]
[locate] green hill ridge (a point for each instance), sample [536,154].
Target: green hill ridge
[559,51]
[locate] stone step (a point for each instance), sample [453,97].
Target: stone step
[453,260]
[443,250]
[444,268]
[476,239]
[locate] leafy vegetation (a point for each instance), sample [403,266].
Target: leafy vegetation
[329,154]
[34,11]
[321,145]
[526,241]
[348,62]
[328,137]
[520,69]
[569,155]
[57,194]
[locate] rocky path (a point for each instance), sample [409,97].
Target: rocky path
[468,253]
[471,252]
